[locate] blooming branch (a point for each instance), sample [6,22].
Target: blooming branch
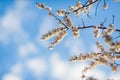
[103,57]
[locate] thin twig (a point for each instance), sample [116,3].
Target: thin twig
[113,19]
[94,26]
[116,64]
[97,7]
[102,24]
[88,15]
[61,22]
[117,37]
[104,2]
[83,22]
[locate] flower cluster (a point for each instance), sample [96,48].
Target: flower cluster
[77,6]
[58,33]
[68,21]
[61,12]
[58,39]
[106,34]
[80,8]
[109,30]
[103,57]
[108,39]
[52,33]
[100,46]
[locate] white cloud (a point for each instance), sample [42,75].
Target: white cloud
[75,71]
[27,49]
[62,70]
[115,76]
[12,22]
[37,66]
[21,4]
[58,67]
[76,46]
[10,76]
[96,73]
[16,72]
[17,69]
[11,26]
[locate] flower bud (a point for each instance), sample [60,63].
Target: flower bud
[105,6]
[61,12]
[40,5]
[96,32]
[68,21]
[75,31]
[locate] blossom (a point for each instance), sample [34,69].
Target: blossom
[114,67]
[112,47]
[108,39]
[58,39]
[105,6]
[100,46]
[78,5]
[90,2]
[117,48]
[75,32]
[51,33]
[68,21]
[48,8]
[61,12]
[40,5]
[71,8]
[96,32]
[110,29]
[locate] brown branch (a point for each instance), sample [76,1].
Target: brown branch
[97,7]
[94,26]
[61,22]
[88,15]
[113,19]
[86,5]
[50,13]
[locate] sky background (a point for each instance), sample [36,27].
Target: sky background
[23,56]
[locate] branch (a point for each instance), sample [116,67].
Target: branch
[84,27]
[48,9]
[97,7]
[85,5]
[113,19]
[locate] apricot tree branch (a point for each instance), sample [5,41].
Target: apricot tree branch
[84,27]
[85,5]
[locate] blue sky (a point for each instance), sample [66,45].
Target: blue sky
[23,56]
